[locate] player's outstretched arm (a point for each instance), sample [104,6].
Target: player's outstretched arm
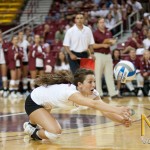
[99,105]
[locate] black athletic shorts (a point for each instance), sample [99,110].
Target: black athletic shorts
[31,106]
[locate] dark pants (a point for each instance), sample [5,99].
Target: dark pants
[75,64]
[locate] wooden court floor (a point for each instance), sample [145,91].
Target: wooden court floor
[82,129]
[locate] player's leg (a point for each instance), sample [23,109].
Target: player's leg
[50,127]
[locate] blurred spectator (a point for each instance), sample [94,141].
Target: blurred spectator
[145,68]
[3,65]
[36,60]
[78,40]
[24,44]
[116,13]
[28,32]
[114,4]
[61,62]
[136,61]
[136,5]
[110,22]
[100,13]
[138,28]
[60,34]
[116,57]
[15,54]
[145,21]
[103,62]
[146,42]
[134,42]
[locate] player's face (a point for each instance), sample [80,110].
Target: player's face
[88,85]
[79,20]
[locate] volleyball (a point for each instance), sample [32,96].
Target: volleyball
[124,71]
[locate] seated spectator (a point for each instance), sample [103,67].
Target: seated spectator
[59,34]
[146,42]
[116,13]
[138,27]
[114,4]
[61,62]
[144,33]
[136,61]
[145,20]
[110,22]
[134,42]
[136,5]
[116,56]
[145,68]
[100,13]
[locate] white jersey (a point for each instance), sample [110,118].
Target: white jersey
[53,95]
[56,95]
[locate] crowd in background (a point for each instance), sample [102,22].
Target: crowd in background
[32,53]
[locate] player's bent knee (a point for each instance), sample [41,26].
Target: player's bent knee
[52,136]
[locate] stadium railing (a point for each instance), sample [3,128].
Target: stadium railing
[9,33]
[132,19]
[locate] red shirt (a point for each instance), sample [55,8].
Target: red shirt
[145,67]
[135,61]
[99,37]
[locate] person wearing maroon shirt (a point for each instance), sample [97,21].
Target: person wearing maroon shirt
[103,62]
[136,61]
[15,55]
[134,42]
[145,66]
[36,59]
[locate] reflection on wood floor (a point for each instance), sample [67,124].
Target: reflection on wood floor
[82,129]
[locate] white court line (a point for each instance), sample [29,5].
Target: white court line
[12,115]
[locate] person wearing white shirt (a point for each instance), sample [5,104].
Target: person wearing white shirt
[78,40]
[146,42]
[24,44]
[61,89]
[61,62]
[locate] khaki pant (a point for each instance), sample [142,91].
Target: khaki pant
[104,66]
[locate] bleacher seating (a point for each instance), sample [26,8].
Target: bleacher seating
[9,10]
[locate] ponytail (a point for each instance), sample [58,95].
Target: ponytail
[57,77]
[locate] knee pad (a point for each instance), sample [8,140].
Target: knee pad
[4,78]
[51,136]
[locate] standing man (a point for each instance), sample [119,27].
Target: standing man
[78,42]
[103,63]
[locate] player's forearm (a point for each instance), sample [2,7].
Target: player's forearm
[100,105]
[113,117]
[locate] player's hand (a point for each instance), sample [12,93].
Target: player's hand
[127,122]
[73,57]
[125,112]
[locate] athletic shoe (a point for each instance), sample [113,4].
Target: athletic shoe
[29,129]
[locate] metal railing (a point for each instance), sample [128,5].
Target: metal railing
[9,33]
[132,19]
[120,32]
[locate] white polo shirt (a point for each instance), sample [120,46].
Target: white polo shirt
[146,43]
[78,40]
